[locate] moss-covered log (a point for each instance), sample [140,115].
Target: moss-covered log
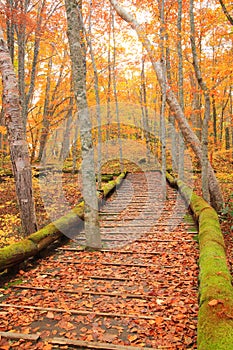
[33,244]
[215,318]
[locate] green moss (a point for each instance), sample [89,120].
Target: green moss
[43,233]
[21,249]
[215,323]
[215,327]
[14,283]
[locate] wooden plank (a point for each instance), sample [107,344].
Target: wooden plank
[76,312]
[154,225]
[112,264]
[94,345]
[130,240]
[107,278]
[81,292]
[123,251]
[140,253]
[14,335]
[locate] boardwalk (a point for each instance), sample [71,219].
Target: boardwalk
[139,292]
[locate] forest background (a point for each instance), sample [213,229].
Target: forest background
[136,127]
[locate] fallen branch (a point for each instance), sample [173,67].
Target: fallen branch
[17,252]
[215,318]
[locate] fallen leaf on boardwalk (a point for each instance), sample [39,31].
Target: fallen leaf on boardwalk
[132,338]
[5,347]
[158,320]
[47,346]
[89,337]
[109,337]
[179,316]
[50,314]
[134,330]
[65,325]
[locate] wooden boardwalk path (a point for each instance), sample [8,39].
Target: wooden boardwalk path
[139,292]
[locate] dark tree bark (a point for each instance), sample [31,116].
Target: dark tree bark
[227,14]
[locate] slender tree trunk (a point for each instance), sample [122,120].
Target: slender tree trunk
[66,137]
[180,85]
[202,84]
[21,41]
[115,93]
[17,140]
[222,113]
[10,4]
[227,14]
[108,126]
[78,60]
[74,150]
[196,106]
[34,145]
[145,116]
[227,138]
[188,134]
[49,105]
[97,99]
[171,128]
[214,121]
[163,98]
[45,120]
[20,28]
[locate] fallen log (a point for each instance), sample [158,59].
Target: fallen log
[215,317]
[17,252]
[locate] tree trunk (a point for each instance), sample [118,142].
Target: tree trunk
[214,121]
[196,106]
[115,94]
[109,117]
[97,99]
[45,120]
[202,84]
[66,137]
[17,140]
[145,117]
[78,60]
[163,99]
[171,126]
[227,14]
[227,138]
[27,94]
[180,86]
[188,134]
